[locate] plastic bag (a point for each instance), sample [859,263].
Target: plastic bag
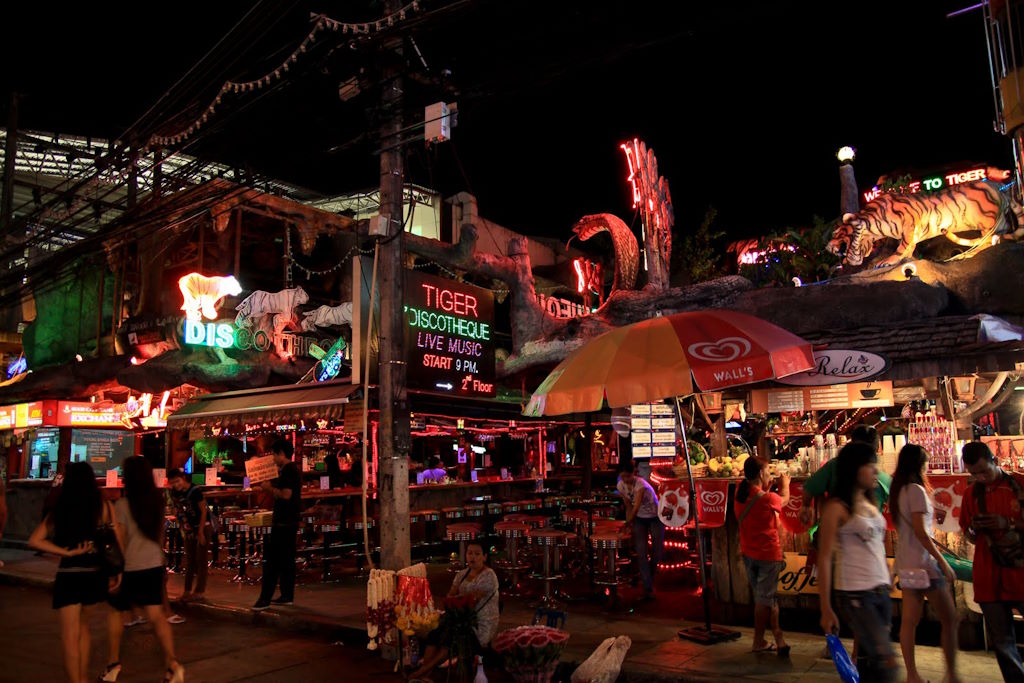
[841,658]
[605,663]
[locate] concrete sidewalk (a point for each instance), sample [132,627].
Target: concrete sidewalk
[337,610]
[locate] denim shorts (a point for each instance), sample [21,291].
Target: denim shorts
[869,615]
[763,576]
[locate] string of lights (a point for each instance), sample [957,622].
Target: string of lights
[322,23]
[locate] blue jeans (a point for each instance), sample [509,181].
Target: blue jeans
[642,528]
[1001,636]
[869,614]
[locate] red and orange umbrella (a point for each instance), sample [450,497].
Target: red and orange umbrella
[663,357]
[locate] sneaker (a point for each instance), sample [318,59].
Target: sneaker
[260,605]
[135,622]
[282,601]
[175,619]
[110,673]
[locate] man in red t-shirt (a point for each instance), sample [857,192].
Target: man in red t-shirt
[998,589]
[757,510]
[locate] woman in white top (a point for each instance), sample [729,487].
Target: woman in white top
[911,506]
[852,526]
[479,581]
[140,528]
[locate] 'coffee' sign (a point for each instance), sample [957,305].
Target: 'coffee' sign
[838,366]
[449,336]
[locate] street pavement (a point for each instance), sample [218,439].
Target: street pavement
[224,640]
[213,651]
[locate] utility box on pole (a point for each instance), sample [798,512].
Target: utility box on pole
[437,123]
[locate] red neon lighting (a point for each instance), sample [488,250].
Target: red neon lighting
[459,303]
[581,279]
[632,155]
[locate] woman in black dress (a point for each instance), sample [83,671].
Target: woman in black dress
[68,532]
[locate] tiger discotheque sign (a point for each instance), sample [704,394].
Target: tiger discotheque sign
[449,336]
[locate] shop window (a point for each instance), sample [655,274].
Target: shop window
[103,449]
[42,452]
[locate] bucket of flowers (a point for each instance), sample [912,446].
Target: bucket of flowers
[456,626]
[531,652]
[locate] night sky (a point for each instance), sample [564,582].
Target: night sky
[744,103]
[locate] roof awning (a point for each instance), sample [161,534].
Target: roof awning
[273,404]
[948,345]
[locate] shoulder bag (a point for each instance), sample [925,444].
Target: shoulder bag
[107,547]
[743,515]
[914,578]
[1007,545]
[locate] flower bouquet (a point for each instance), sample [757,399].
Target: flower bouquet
[416,621]
[458,624]
[531,652]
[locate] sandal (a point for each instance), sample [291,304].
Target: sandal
[770,647]
[175,675]
[783,651]
[110,674]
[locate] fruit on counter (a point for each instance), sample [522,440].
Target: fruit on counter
[698,454]
[727,466]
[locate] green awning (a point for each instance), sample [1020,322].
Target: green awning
[315,401]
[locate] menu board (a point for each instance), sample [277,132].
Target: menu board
[103,449]
[652,431]
[786,401]
[832,397]
[449,340]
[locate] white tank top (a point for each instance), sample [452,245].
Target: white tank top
[861,563]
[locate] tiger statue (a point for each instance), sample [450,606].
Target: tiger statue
[202,294]
[913,218]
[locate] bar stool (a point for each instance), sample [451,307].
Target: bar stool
[608,542]
[474,513]
[325,530]
[536,521]
[175,544]
[548,539]
[512,532]
[226,518]
[238,533]
[258,544]
[430,541]
[461,533]
[355,525]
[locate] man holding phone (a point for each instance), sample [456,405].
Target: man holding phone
[990,515]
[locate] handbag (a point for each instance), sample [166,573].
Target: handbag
[107,547]
[111,558]
[841,658]
[913,578]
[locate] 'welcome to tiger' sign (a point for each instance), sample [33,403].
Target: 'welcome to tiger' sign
[941,181]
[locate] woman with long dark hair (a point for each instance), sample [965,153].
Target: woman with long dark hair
[758,510]
[68,532]
[139,517]
[853,528]
[911,506]
[479,581]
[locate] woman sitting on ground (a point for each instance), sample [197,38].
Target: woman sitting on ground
[479,581]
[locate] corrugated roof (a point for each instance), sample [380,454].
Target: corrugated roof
[936,340]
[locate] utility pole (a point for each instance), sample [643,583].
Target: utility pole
[393,449]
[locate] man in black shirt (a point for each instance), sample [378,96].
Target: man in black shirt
[192,517]
[279,551]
